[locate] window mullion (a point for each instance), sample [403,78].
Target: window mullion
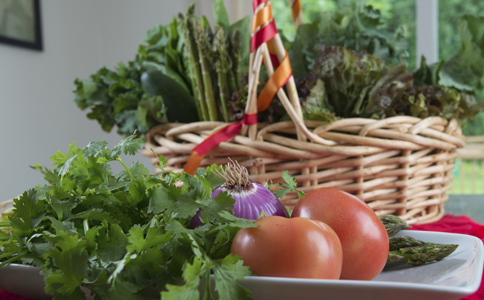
[427,30]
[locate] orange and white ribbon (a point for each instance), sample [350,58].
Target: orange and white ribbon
[215,138]
[296,10]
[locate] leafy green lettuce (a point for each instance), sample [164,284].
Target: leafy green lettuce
[346,84]
[425,101]
[314,104]
[358,29]
[116,98]
[348,77]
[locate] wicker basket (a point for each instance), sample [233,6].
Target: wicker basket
[5,205]
[400,165]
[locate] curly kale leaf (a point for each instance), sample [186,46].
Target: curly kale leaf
[358,29]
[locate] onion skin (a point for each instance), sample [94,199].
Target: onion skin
[196,222]
[249,203]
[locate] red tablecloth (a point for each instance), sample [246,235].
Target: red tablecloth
[449,223]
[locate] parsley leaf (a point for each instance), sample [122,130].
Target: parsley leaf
[69,256]
[212,207]
[227,271]
[188,291]
[287,187]
[28,213]
[129,145]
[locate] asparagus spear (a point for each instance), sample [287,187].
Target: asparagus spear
[406,242]
[409,250]
[230,56]
[419,253]
[235,50]
[205,56]
[195,71]
[222,66]
[393,224]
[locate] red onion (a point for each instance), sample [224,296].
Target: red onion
[250,197]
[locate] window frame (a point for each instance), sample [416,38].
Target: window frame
[427,30]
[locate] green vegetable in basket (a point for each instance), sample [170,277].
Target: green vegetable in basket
[124,235]
[345,84]
[183,64]
[358,29]
[348,84]
[315,105]
[117,98]
[348,77]
[179,105]
[424,101]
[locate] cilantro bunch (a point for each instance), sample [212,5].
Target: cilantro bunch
[125,235]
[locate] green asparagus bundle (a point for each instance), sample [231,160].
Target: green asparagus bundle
[214,58]
[411,251]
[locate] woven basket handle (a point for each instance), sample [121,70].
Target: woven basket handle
[273,54]
[262,18]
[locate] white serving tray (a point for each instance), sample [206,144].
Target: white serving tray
[454,277]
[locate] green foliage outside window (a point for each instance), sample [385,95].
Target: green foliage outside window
[449,42]
[394,14]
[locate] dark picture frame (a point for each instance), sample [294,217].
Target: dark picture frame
[20,24]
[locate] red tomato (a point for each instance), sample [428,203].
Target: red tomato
[363,236]
[284,247]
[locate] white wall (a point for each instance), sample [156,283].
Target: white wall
[38,115]
[237,9]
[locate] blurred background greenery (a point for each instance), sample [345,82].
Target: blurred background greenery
[397,13]
[468,177]
[468,174]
